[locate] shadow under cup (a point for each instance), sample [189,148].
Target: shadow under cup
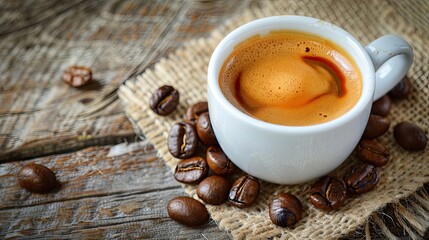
[288,154]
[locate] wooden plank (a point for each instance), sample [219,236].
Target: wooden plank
[138,215]
[117,39]
[94,171]
[19,15]
[109,191]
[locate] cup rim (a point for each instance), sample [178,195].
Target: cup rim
[368,77]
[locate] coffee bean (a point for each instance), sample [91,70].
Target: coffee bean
[373,153]
[182,140]
[191,170]
[285,210]
[401,90]
[361,178]
[205,130]
[213,190]
[244,191]
[194,111]
[382,106]
[218,162]
[164,100]
[37,178]
[77,76]
[328,193]
[187,211]
[376,127]
[410,136]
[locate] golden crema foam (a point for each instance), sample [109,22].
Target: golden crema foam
[291,78]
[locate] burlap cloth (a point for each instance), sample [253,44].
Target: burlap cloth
[406,172]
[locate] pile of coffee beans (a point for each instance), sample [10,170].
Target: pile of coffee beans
[218,180]
[213,172]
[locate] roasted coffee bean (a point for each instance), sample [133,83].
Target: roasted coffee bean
[376,127]
[410,136]
[218,162]
[328,193]
[244,191]
[361,178]
[213,190]
[382,106]
[191,170]
[182,140]
[164,100]
[205,130]
[187,211]
[37,178]
[194,111]
[77,76]
[373,152]
[285,210]
[401,90]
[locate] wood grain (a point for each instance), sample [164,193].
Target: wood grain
[107,191]
[117,39]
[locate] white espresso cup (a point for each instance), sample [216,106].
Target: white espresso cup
[295,154]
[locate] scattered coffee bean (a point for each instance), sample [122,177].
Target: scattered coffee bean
[244,191]
[382,106]
[191,170]
[218,162]
[328,193]
[373,153]
[77,76]
[182,140]
[285,210]
[37,178]
[213,190]
[410,136]
[376,127]
[164,100]
[361,178]
[205,130]
[194,111]
[187,211]
[401,90]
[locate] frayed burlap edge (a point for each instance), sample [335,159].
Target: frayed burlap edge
[404,175]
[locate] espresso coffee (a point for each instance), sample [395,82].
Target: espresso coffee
[291,78]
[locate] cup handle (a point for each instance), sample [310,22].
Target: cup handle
[392,57]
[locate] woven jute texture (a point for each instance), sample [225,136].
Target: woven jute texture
[406,172]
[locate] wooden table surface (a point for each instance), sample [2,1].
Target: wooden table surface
[113,183]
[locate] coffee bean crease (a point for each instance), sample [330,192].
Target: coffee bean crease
[361,178]
[182,140]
